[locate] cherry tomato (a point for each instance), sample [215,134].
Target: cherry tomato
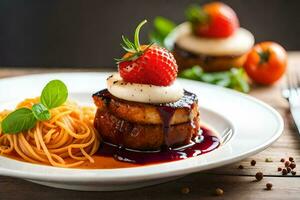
[266,63]
[213,20]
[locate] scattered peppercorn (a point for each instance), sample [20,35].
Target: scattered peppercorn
[241,167]
[185,190]
[287,163]
[253,163]
[293,173]
[269,186]
[282,160]
[219,192]
[293,165]
[291,159]
[284,172]
[259,176]
[269,160]
[288,169]
[279,169]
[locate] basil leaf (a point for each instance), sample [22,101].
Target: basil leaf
[162,27]
[54,94]
[18,121]
[234,78]
[195,73]
[41,112]
[239,80]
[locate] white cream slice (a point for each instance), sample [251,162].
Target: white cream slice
[237,44]
[143,93]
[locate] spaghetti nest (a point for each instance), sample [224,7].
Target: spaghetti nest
[68,139]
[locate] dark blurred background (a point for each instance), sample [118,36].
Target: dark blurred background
[71,33]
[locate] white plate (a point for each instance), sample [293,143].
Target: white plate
[253,124]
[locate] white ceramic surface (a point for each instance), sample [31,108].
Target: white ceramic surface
[253,124]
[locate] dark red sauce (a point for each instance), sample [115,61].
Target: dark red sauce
[166,114]
[205,142]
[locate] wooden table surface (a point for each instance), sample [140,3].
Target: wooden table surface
[236,183]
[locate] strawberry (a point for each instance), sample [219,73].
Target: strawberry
[146,64]
[213,20]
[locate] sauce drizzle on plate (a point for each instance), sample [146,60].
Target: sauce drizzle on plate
[201,144]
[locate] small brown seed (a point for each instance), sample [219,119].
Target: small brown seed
[269,186]
[219,192]
[253,163]
[291,159]
[241,167]
[185,190]
[287,163]
[288,169]
[282,160]
[279,169]
[284,172]
[259,176]
[293,173]
[269,160]
[293,165]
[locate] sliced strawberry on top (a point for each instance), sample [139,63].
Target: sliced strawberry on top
[213,20]
[146,64]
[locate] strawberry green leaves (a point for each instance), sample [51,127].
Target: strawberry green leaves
[195,14]
[134,49]
[54,94]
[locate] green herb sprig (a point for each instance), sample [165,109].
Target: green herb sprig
[161,29]
[234,78]
[134,47]
[54,94]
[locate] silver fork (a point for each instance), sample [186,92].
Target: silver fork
[292,94]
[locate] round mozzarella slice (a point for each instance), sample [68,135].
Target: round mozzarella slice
[237,44]
[142,92]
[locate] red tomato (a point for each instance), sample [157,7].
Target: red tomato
[215,20]
[266,63]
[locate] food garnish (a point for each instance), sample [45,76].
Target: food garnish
[268,160]
[161,29]
[259,176]
[234,78]
[266,63]
[284,172]
[292,165]
[146,64]
[218,192]
[253,162]
[185,190]
[269,186]
[213,20]
[53,95]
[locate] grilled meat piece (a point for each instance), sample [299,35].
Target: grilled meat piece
[146,126]
[186,59]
